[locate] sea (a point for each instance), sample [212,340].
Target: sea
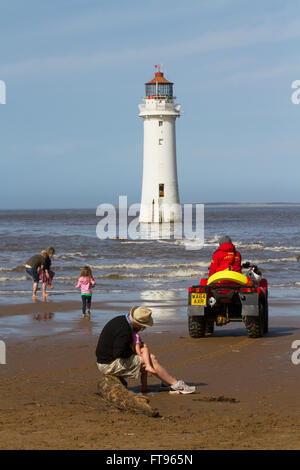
[155,272]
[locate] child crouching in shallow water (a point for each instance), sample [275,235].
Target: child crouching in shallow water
[86,282]
[142,350]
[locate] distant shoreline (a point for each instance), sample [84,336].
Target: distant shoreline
[251,204]
[210,204]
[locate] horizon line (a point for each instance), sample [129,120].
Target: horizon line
[193,203]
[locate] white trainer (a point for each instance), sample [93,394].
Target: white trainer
[181,387]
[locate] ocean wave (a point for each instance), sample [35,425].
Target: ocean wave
[288,284]
[283,248]
[173,274]
[77,254]
[276,260]
[155,275]
[211,241]
[5,279]
[260,246]
[135,266]
[134,242]
[21,268]
[65,278]
[181,241]
[250,246]
[17,269]
[284,260]
[257,245]
[291,258]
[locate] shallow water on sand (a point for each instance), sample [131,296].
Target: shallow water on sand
[168,315]
[149,271]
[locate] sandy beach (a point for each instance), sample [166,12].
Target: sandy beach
[150,158]
[247,389]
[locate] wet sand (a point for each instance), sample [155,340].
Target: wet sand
[49,397]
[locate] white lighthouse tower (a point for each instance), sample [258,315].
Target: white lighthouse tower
[160,198]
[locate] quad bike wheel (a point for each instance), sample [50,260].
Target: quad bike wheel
[196,327]
[257,326]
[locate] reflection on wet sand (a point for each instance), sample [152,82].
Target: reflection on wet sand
[43,316]
[171,305]
[36,300]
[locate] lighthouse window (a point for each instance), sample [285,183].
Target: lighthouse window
[160,123]
[165,89]
[150,90]
[161,190]
[160,141]
[159,89]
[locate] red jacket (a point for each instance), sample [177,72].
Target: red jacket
[225,257]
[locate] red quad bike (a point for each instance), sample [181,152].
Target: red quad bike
[221,303]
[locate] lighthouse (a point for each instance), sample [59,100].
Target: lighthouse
[160,197]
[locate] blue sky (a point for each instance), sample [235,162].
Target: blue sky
[75,73]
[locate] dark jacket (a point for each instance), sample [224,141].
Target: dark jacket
[35,261]
[115,341]
[225,257]
[47,264]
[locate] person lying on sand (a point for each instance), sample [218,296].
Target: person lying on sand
[115,356]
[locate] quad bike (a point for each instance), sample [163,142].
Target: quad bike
[218,303]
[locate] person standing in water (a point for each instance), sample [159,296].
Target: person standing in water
[31,267]
[45,273]
[86,282]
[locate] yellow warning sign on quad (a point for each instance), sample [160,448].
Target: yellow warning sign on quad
[198,299]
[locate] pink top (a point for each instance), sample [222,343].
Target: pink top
[85,284]
[136,338]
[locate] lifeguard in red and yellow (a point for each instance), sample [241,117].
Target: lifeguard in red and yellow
[225,257]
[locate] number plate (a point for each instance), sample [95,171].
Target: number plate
[198,299]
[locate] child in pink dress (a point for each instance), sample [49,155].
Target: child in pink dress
[86,282]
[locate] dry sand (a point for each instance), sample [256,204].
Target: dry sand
[49,399]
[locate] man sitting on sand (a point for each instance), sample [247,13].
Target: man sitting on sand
[115,355]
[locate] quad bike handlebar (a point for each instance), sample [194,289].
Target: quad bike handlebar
[252,267]
[246,265]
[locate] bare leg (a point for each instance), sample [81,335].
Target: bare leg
[161,373]
[35,285]
[50,281]
[44,289]
[89,303]
[147,360]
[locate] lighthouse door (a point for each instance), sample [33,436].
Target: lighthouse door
[161,194]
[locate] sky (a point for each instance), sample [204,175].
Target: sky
[74,70]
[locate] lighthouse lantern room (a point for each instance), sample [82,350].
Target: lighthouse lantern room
[160,198]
